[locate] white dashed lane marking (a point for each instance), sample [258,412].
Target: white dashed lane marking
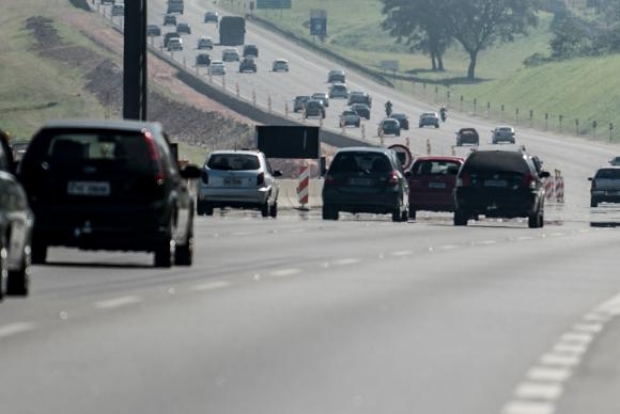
[117,302]
[557,359]
[211,286]
[527,407]
[549,374]
[344,262]
[15,328]
[538,391]
[285,272]
[401,253]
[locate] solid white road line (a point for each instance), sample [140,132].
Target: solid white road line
[285,272]
[528,407]
[16,328]
[117,302]
[211,286]
[548,374]
[537,391]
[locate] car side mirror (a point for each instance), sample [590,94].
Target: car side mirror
[191,172]
[544,174]
[277,173]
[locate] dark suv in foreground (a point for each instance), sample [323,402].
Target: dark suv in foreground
[109,185]
[366,180]
[502,184]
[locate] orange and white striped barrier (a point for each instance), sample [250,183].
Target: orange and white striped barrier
[303,189]
[428,147]
[559,188]
[549,185]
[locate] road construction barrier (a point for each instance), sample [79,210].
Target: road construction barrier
[428,147]
[269,102]
[254,98]
[363,128]
[321,120]
[559,186]
[382,138]
[453,150]
[237,91]
[224,82]
[303,188]
[407,142]
[286,110]
[549,185]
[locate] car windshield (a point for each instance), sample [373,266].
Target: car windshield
[609,173]
[233,162]
[434,167]
[362,162]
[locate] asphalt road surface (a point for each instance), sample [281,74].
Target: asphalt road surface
[363,315]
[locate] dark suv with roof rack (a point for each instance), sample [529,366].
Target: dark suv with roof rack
[109,185]
[499,184]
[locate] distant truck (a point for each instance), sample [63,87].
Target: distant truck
[232,31]
[175,6]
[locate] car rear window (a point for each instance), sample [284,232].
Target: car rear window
[354,162]
[66,150]
[496,161]
[611,173]
[233,162]
[434,167]
[505,129]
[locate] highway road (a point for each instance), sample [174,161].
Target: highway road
[363,315]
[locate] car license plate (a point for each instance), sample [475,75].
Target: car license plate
[232,181]
[495,183]
[436,185]
[89,188]
[360,181]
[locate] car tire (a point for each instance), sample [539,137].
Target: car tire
[420,126]
[200,208]
[398,133]
[39,252]
[397,215]
[330,213]
[593,202]
[164,251]
[404,216]
[208,209]
[412,213]
[534,219]
[273,210]
[18,283]
[264,209]
[184,255]
[436,125]
[460,218]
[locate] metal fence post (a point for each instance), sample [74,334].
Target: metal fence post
[576,127]
[560,118]
[475,105]
[546,121]
[531,118]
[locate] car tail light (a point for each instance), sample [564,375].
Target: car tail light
[329,180]
[204,176]
[154,156]
[260,179]
[529,181]
[463,180]
[393,179]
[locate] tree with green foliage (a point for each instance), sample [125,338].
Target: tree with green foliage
[477,24]
[421,24]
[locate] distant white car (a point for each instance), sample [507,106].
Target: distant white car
[176,43]
[205,43]
[217,68]
[615,161]
[280,65]
[230,55]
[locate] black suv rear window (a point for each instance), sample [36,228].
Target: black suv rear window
[611,173]
[354,162]
[126,150]
[497,161]
[428,167]
[233,162]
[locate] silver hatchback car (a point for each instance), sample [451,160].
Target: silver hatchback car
[238,179]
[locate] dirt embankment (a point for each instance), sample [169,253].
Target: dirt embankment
[104,79]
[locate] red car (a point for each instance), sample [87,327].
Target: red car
[431,181]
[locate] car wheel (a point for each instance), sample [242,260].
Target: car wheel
[533,220]
[18,283]
[593,202]
[412,213]
[398,133]
[460,218]
[420,126]
[436,125]
[184,255]
[397,215]
[541,218]
[39,252]
[273,210]
[404,216]
[165,249]
[208,209]
[200,208]
[264,209]
[330,213]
